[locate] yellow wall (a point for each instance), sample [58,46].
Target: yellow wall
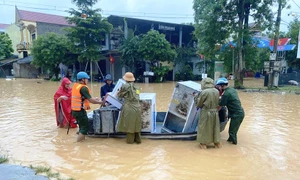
[13,32]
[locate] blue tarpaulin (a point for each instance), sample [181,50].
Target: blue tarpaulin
[263,43]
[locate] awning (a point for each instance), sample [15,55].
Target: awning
[7,62]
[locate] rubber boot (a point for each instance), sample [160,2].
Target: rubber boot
[80,137]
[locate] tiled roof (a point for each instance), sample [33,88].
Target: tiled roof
[42,17]
[3,26]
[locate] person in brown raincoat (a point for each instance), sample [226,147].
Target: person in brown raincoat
[130,121]
[209,124]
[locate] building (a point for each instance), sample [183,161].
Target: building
[179,35]
[2,27]
[27,27]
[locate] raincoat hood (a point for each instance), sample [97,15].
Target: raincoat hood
[207,83]
[63,83]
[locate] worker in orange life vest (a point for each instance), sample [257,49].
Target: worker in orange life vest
[81,99]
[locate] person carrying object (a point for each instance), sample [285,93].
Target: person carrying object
[130,121]
[208,124]
[236,113]
[81,99]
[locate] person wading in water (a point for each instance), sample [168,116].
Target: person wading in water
[81,99]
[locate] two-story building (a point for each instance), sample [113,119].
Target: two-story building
[177,34]
[27,27]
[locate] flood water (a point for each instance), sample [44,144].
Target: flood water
[268,140]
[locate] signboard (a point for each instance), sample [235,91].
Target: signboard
[168,28]
[272,56]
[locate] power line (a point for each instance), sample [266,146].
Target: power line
[296,4]
[132,16]
[64,7]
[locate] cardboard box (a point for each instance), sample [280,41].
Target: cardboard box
[148,106]
[182,115]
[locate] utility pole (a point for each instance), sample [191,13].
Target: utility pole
[272,61]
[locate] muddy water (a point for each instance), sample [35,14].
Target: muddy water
[268,148]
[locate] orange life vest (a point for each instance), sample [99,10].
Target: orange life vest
[78,102]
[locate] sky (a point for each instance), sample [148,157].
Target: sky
[174,11]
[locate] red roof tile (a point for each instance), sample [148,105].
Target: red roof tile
[3,26]
[42,17]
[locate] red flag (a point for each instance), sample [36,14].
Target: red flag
[201,56]
[281,41]
[111,59]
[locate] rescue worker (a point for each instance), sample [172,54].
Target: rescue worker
[130,119]
[236,113]
[107,87]
[81,99]
[209,123]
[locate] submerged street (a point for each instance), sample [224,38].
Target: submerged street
[268,145]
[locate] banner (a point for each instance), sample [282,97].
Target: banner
[298,51]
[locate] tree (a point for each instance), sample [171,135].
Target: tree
[155,48]
[217,21]
[49,51]
[293,33]
[88,31]
[129,49]
[5,46]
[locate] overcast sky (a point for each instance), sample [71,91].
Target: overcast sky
[176,11]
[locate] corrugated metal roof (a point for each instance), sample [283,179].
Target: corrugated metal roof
[25,60]
[7,61]
[42,17]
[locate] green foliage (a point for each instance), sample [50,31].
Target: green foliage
[3,159]
[130,52]
[160,72]
[293,33]
[217,21]
[154,47]
[185,73]
[5,46]
[184,55]
[49,51]
[89,32]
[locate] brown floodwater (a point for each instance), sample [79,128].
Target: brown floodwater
[268,145]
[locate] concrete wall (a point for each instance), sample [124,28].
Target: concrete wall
[13,32]
[43,28]
[25,71]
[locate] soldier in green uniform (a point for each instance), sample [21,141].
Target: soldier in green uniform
[236,112]
[131,120]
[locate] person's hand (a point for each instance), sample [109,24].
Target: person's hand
[97,99]
[64,97]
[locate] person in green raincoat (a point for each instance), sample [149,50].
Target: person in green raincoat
[209,123]
[130,121]
[231,100]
